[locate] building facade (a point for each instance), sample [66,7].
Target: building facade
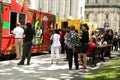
[106,13]
[61,8]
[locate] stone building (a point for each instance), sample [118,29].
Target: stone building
[61,8]
[106,13]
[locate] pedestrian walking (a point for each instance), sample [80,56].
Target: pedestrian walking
[65,38]
[27,36]
[55,46]
[18,32]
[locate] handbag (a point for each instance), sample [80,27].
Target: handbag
[51,40]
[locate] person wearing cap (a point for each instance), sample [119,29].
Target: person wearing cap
[18,32]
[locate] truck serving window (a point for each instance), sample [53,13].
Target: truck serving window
[16,17]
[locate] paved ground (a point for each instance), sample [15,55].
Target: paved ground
[41,69]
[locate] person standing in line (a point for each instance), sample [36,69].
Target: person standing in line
[27,38]
[119,39]
[71,42]
[55,46]
[84,44]
[65,38]
[18,32]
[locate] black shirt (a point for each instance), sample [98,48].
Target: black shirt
[29,32]
[85,37]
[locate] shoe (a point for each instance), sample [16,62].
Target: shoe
[70,68]
[20,63]
[83,67]
[77,68]
[28,63]
[16,58]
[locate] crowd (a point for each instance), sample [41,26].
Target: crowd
[81,45]
[68,41]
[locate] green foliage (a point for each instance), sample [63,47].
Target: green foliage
[109,72]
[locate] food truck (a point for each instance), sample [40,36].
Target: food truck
[63,23]
[18,11]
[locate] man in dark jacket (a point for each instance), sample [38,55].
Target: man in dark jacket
[28,36]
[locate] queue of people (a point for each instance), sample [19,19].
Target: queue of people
[73,44]
[86,44]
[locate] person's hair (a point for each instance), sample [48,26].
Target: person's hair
[86,26]
[98,39]
[76,31]
[57,31]
[28,25]
[17,24]
[68,27]
[72,28]
[107,31]
[93,39]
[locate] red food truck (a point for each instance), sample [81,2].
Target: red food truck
[17,11]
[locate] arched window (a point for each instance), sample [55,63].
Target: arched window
[107,16]
[87,16]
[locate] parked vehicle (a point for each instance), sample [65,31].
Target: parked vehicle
[43,25]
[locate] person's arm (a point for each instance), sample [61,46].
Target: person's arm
[24,34]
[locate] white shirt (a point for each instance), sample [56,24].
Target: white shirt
[56,40]
[18,31]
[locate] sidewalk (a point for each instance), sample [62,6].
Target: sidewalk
[41,69]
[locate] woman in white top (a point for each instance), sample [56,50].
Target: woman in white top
[55,46]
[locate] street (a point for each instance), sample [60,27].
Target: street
[42,69]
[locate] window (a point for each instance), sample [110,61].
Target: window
[81,10]
[22,18]
[87,16]
[87,1]
[96,1]
[107,16]
[16,17]
[108,1]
